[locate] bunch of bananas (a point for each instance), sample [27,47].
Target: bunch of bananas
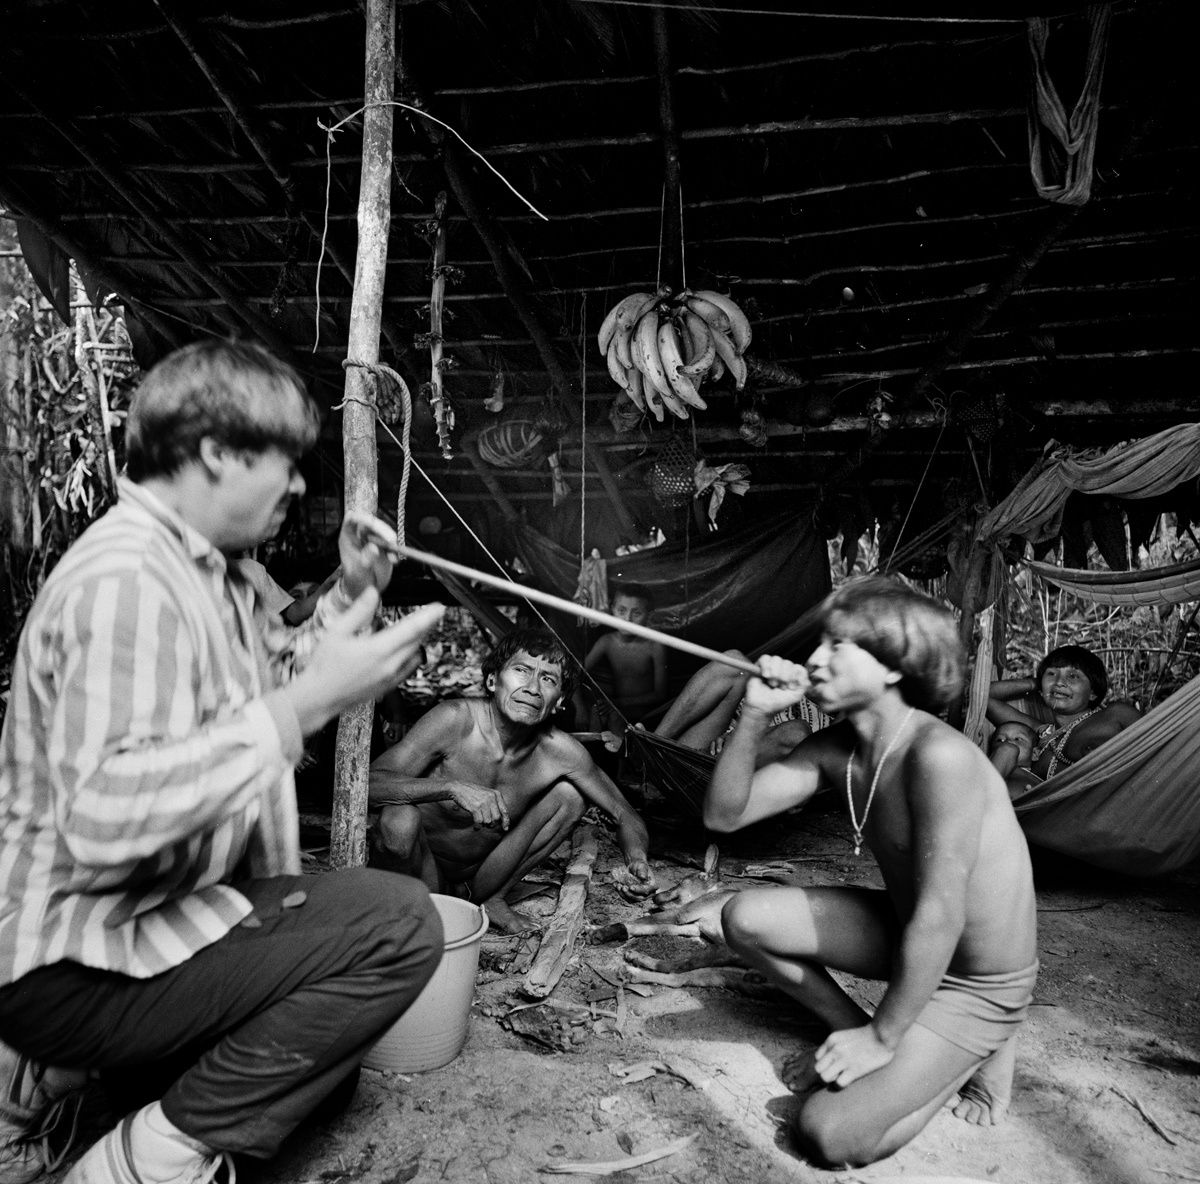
[660,347]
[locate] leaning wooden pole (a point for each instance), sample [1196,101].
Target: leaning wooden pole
[348,837]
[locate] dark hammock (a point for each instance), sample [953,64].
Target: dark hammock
[743,590]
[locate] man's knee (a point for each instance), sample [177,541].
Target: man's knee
[737,925]
[830,1137]
[567,802]
[394,919]
[399,829]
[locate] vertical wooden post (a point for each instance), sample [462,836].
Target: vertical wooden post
[14,478]
[348,839]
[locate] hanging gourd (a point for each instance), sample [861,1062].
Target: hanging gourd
[661,347]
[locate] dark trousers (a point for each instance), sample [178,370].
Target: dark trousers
[272,1017]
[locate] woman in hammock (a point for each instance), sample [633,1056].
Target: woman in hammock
[1068,712]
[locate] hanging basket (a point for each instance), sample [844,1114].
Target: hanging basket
[673,476]
[512,444]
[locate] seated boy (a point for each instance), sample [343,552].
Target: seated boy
[634,667]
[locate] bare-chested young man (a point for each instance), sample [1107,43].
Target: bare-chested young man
[481,790]
[953,930]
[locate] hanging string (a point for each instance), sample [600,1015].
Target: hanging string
[662,219]
[330,131]
[920,484]
[583,429]
[682,243]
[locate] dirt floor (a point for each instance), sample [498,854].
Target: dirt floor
[608,1069]
[1108,1080]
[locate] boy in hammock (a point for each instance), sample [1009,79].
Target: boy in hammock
[480,791]
[953,931]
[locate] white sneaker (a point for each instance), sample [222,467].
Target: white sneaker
[39,1114]
[110,1161]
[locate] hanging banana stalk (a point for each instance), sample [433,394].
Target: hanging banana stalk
[660,347]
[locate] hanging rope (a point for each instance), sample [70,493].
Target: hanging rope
[380,373]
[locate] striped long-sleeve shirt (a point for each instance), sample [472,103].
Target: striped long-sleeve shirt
[147,752]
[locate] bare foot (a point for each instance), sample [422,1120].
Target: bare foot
[799,1074]
[983,1101]
[505,919]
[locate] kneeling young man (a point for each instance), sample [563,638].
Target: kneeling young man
[953,931]
[481,790]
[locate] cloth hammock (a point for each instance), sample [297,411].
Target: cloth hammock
[1061,144]
[746,589]
[1131,805]
[1177,584]
[1142,468]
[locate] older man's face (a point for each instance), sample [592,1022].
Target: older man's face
[527,689]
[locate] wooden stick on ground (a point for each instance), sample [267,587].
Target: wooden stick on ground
[559,941]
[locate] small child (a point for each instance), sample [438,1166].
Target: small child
[634,667]
[1012,755]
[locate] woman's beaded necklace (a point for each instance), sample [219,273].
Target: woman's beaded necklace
[854,823]
[1057,740]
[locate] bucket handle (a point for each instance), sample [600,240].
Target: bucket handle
[471,937]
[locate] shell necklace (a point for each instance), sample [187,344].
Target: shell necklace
[1056,739]
[854,822]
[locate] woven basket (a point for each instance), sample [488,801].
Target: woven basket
[673,476]
[511,444]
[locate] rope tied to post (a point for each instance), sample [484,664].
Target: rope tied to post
[382,374]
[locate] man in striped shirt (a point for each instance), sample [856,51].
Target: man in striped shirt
[152,913]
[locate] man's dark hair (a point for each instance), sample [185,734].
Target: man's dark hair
[1083,660]
[231,391]
[633,592]
[907,632]
[537,643]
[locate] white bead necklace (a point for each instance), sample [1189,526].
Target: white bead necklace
[855,824]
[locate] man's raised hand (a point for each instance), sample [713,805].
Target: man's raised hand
[367,548]
[779,684]
[349,666]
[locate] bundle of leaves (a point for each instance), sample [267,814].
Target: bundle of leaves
[66,390]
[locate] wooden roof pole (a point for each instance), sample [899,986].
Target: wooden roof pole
[956,341]
[257,136]
[503,251]
[112,174]
[671,259]
[348,834]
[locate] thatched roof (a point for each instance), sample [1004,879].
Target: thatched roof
[861,187]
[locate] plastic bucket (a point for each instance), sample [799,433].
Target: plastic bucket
[432,1032]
